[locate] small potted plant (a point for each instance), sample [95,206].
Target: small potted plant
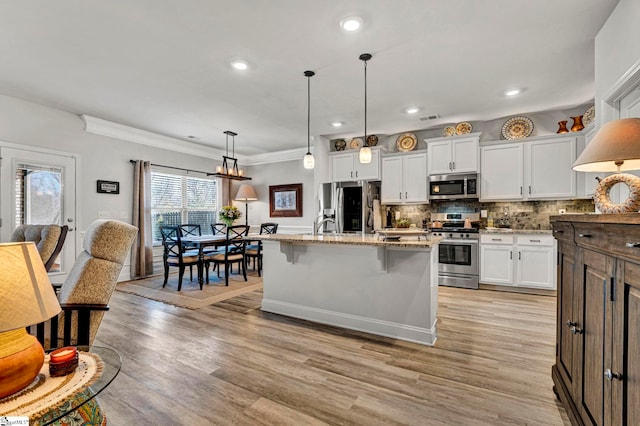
[403,223]
[228,214]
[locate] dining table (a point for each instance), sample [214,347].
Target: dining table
[200,242]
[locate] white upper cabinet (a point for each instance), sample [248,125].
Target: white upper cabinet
[346,166]
[404,178]
[455,154]
[536,169]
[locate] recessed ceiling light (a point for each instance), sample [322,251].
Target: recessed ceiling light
[239,64]
[512,92]
[337,124]
[412,110]
[351,24]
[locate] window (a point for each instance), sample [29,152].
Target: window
[177,199]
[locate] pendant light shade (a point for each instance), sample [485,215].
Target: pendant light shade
[309,162]
[365,151]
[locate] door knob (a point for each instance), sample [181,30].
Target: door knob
[610,375]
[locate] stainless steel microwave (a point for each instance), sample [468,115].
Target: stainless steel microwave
[453,187]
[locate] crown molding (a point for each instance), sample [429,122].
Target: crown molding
[110,129]
[275,157]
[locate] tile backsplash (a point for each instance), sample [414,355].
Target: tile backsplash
[517,214]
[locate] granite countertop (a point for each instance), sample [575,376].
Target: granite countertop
[620,218]
[353,239]
[516,231]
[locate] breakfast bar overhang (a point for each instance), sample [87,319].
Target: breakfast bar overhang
[359,282]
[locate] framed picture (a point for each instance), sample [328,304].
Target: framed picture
[285,200]
[108,187]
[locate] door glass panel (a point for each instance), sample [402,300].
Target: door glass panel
[455,254]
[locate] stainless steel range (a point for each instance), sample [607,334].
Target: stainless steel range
[458,264]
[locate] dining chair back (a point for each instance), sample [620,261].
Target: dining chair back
[233,251]
[254,251]
[174,253]
[190,230]
[218,228]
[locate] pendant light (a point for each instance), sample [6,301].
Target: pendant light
[365,151]
[229,168]
[309,162]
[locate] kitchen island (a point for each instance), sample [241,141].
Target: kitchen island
[354,281]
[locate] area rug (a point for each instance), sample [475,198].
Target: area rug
[191,296]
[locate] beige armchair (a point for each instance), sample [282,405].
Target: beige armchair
[48,239]
[85,294]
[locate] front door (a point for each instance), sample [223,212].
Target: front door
[39,188]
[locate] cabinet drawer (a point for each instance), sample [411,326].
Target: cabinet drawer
[535,240]
[592,235]
[563,231]
[496,239]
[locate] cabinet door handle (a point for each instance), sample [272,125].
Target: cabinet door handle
[520,190]
[356,173]
[571,323]
[510,255]
[611,375]
[573,326]
[633,245]
[534,241]
[529,189]
[453,167]
[584,235]
[352,173]
[496,239]
[400,195]
[450,166]
[406,195]
[519,255]
[558,231]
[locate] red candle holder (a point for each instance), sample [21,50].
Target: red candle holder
[63,361]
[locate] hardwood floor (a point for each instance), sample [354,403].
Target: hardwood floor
[230,363]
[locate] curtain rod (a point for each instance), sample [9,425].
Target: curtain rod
[172,167]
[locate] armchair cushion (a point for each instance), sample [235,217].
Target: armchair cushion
[45,238]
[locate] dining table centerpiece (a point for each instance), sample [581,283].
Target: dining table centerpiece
[228,214]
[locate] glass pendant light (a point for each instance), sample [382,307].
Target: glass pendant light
[309,162]
[365,151]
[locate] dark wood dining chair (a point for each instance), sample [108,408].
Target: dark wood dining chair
[254,251]
[175,254]
[233,252]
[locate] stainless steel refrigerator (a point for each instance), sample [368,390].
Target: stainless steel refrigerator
[349,204]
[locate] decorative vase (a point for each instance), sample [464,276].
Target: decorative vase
[228,222]
[577,124]
[562,127]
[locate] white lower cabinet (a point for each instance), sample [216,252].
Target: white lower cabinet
[520,260]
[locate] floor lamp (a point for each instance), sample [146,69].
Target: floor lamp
[246,193]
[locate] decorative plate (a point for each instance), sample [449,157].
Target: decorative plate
[406,142]
[449,131]
[463,128]
[372,140]
[356,143]
[517,127]
[588,116]
[340,144]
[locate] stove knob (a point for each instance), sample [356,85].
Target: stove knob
[450,235]
[467,235]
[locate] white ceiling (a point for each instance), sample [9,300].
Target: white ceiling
[163,65]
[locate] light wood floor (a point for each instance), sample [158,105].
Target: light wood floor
[232,364]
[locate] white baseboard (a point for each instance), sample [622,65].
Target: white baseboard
[424,336]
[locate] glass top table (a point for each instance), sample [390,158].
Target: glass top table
[49,399]
[111,367]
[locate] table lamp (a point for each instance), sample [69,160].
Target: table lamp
[615,148]
[246,193]
[26,298]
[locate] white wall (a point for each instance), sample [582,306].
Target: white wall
[283,173]
[617,49]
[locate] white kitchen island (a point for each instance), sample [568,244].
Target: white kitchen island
[359,282]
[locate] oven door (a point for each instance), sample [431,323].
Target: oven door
[458,257]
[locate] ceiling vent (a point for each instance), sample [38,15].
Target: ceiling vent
[430,117]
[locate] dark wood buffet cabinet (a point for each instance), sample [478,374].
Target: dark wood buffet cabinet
[597,368]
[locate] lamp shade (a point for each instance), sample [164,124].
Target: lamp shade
[616,147]
[365,155]
[25,290]
[246,192]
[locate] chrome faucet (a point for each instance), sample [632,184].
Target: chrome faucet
[318,225]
